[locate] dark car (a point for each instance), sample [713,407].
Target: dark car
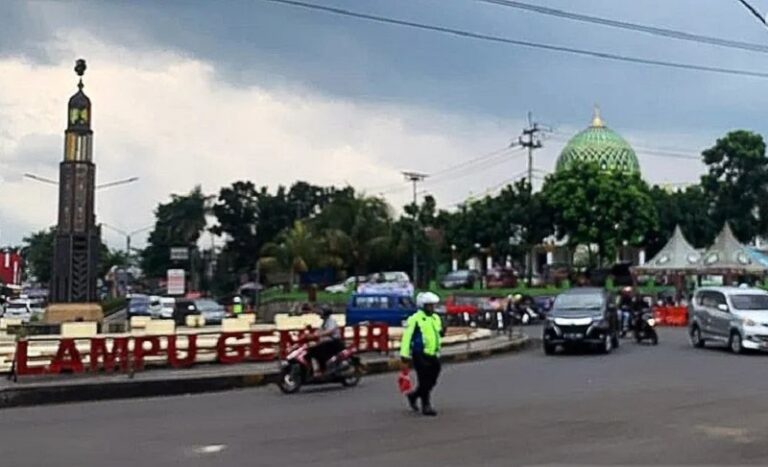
[461,279]
[138,305]
[582,317]
[212,311]
[501,279]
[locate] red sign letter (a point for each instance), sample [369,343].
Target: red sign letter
[222,348]
[189,360]
[139,352]
[259,353]
[67,358]
[119,354]
[21,361]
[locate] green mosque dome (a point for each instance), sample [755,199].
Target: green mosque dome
[601,145]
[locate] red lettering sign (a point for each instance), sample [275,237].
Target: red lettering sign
[22,367]
[118,355]
[222,349]
[173,357]
[259,352]
[67,358]
[139,352]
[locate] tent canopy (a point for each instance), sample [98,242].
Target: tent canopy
[728,256]
[677,256]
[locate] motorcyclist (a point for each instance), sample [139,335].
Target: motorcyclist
[626,305]
[329,339]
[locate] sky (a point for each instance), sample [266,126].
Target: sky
[206,93]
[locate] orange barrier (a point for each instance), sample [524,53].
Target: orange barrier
[671,315]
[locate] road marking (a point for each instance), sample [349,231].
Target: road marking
[210,449]
[739,435]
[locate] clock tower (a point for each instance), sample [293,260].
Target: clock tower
[76,249]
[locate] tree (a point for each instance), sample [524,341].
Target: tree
[38,253]
[296,250]
[735,183]
[592,206]
[178,223]
[357,229]
[237,212]
[689,208]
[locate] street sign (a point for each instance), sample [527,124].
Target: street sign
[176,280]
[179,253]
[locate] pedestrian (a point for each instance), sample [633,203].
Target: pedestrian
[237,306]
[420,348]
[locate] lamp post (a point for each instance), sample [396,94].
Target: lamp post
[50,181]
[454,259]
[127,235]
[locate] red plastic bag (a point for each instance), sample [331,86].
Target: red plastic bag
[404,381]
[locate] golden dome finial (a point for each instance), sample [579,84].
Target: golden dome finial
[597,122]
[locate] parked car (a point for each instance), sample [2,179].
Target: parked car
[167,306]
[19,309]
[462,308]
[461,279]
[501,279]
[737,317]
[347,285]
[138,305]
[391,309]
[582,317]
[212,311]
[155,306]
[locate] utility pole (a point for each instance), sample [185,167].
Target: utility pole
[415,178]
[530,140]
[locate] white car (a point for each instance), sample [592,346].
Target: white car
[346,286]
[18,309]
[167,305]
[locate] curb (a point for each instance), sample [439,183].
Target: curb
[43,395]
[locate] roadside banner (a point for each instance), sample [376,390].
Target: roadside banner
[176,280]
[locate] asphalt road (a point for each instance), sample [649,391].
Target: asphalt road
[670,404]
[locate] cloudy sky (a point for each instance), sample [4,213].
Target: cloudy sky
[200,92]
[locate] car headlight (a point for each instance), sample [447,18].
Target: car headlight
[748,322]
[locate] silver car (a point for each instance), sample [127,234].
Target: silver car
[735,316]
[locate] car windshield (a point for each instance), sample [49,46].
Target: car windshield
[207,305]
[750,302]
[17,306]
[457,275]
[574,304]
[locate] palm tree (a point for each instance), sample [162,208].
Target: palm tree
[296,250]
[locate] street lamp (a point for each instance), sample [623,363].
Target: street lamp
[127,235]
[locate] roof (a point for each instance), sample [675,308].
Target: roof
[732,290]
[727,255]
[600,145]
[676,256]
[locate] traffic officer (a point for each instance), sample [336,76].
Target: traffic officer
[420,347]
[237,306]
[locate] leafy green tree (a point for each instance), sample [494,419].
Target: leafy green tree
[237,212]
[735,183]
[357,230]
[178,223]
[592,206]
[295,250]
[689,208]
[37,252]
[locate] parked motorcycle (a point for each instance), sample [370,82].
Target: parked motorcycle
[296,369]
[645,328]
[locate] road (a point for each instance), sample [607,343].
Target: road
[669,404]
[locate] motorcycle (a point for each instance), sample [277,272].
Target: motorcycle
[296,369]
[644,328]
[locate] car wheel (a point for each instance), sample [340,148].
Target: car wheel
[549,349]
[735,343]
[696,339]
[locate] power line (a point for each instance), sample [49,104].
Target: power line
[535,45]
[670,33]
[754,11]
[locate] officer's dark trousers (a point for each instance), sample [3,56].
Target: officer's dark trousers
[427,370]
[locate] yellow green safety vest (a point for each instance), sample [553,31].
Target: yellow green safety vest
[421,335]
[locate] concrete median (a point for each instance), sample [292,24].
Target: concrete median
[209,378]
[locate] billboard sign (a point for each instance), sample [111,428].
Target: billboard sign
[176,281]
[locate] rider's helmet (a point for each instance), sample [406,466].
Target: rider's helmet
[626,291]
[236,300]
[517,298]
[427,298]
[325,311]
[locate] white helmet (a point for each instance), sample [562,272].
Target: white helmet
[236,300]
[427,298]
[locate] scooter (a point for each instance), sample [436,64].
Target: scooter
[645,328]
[296,369]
